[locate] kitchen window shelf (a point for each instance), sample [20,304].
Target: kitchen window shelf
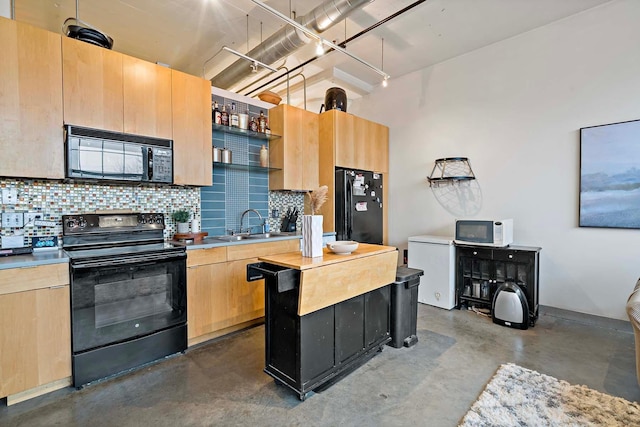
[244,132]
[244,167]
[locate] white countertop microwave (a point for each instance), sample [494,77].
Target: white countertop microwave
[496,233]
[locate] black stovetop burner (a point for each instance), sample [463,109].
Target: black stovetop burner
[114,234]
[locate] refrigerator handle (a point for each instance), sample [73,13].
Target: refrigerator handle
[348,211]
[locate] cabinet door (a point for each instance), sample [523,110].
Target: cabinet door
[30,102]
[474,276]
[295,154]
[147,98]
[35,337]
[517,267]
[310,146]
[377,315]
[246,299]
[344,137]
[207,299]
[377,151]
[327,163]
[285,153]
[360,144]
[92,86]
[349,328]
[191,117]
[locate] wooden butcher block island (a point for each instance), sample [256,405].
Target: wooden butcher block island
[324,316]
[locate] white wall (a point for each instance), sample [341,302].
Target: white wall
[5,8]
[515,109]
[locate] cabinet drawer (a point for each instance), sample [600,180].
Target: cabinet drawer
[256,250]
[30,278]
[481,253]
[512,255]
[206,256]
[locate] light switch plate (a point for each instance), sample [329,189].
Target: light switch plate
[32,217]
[9,196]
[12,219]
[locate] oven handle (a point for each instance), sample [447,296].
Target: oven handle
[128,259]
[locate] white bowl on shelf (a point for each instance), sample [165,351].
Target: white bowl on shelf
[342,247]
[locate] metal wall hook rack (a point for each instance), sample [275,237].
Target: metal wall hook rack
[450,170]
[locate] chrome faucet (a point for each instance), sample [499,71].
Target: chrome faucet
[259,216]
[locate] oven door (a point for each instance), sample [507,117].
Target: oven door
[119,298]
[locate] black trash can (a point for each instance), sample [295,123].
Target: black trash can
[404,307]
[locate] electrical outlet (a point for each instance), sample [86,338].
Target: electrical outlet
[12,220]
[9,196]
[32,217]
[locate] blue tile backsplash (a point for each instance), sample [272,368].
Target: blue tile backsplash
[236,187]
[243,185]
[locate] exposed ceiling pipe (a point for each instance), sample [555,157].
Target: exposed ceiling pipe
[342,45]
[287,40]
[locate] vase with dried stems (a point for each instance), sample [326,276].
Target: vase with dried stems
[312,224]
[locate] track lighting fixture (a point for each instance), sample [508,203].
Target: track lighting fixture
[313,35]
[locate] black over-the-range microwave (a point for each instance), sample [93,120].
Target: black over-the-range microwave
[111,156]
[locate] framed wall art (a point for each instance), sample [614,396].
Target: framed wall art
[610,175]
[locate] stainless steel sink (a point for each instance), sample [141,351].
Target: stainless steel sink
[234,238]
[244,236]
[262,235]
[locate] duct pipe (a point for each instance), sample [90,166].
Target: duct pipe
[342,45]
[287,40]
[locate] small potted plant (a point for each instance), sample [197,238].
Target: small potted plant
[182,217]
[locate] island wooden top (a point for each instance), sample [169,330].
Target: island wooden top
[297,261]
[333,278]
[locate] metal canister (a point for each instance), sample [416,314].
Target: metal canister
[225,154]
[217,156]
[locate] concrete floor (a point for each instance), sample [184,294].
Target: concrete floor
[433,383]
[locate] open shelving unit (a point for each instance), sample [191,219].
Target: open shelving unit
[245,132]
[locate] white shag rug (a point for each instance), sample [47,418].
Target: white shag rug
[517,396]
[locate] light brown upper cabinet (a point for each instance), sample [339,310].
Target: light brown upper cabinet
[31,137]
[359,143]
[92,84]
[107,90]
[295,154]
[191,113]
[147,98]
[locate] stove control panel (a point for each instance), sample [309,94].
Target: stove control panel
[94,223]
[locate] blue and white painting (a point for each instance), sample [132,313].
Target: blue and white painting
[610,175]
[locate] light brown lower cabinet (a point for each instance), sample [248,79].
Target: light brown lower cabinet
[219,298]
[246,299]
[206,299]
[35,331]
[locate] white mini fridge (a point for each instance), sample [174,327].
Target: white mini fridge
[435,255]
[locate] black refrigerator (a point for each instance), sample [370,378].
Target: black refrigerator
[358,206]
